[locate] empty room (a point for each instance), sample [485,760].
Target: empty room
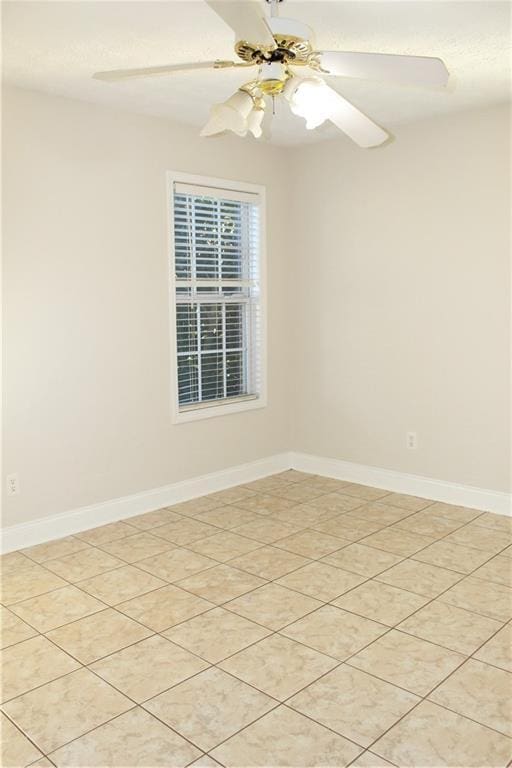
[256,416]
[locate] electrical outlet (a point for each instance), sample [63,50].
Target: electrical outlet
[412,441]
[13,484]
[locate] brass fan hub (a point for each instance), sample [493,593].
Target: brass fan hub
[289,50]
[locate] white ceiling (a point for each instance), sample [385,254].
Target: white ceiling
[56,46]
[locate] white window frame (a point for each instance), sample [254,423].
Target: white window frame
[196,412]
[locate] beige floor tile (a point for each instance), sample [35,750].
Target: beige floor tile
[284,738]
[421,578]
[365,491]
[83,565]
[176,564]
[397,541]
[164,607]
[266,483]
[433,736]
[265,504]
[407,661]
[106,533]
[507,552]
[58,548]
[334,632]
[480,692]
[66,708]
[227,517]
[300,492]
[12,629]
[13,561]
[382,514]
[121,584]
[221,584]
[492,520]
[133,740]
[16,751]
[451,627]
[493,600]
[266,530]
[269,562]
[303,515]
[32,663]
[185,531]
[497,570]
[311,544]
[42,763]
[485,539]
[322,581]
[380,602]
[216,634]
[57,608]
[138,547]
[26,582]
[196,506]
[149,520]
[366,519]
[98,635]
[452,556]
[273,606]
[278,666]
[336,502]
[326,484]
[409,503]
[204,762]
[232,495]
[461,514]
[210,707]
[354,704]
[498,650]
[224,546]
[426,524]
[369,760]
[147,668]
[366,561]
[344,527]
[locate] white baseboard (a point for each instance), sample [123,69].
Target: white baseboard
[54,527]
[47,528]
[400,482]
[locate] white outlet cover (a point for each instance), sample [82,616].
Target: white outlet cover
[13,484]
[412,441]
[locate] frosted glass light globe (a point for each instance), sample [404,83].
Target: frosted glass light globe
[231,115]
[310,99]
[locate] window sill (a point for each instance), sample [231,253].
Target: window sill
[209,411]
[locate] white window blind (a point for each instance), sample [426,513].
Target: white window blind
[217,295]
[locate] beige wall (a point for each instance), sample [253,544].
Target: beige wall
[87,367]
[402,300]
[388,272]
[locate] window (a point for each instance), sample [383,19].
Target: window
[216,287]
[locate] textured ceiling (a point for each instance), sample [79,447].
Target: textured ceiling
[56,46]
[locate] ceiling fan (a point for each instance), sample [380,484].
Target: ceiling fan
[282,48]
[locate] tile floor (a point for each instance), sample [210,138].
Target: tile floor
[294,621]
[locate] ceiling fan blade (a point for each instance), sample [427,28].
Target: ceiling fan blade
[405,70]
[124,74]
[246,18]
[354,123]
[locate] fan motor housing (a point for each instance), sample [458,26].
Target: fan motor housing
[293,44]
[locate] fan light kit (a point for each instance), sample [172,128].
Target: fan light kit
[280,49]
